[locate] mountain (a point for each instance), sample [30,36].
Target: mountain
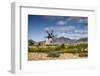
[64,40]
[31,42]
[84,40]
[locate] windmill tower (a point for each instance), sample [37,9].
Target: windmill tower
[50,37]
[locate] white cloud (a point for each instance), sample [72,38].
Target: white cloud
[63,34]
[84,20]
[81,31]
[46,29]
[67,29]
[78,19]
[72,32]
[61,22]
[76,36]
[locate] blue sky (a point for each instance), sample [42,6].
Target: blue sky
[63,26]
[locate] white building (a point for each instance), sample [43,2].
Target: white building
[49,41]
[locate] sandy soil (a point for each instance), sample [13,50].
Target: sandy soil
[43,56]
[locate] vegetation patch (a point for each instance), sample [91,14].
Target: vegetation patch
[53,54]
[83,55]
[55,51]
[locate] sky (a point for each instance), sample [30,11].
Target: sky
[72,27]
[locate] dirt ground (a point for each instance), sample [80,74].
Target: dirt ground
[43,56]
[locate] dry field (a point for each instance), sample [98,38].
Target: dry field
[43,56]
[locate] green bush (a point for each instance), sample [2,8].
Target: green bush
[83,55]
[70,51]
[53,54]
[62,46]
[30,49]
[30,42]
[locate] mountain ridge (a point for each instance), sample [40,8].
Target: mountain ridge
[64,40]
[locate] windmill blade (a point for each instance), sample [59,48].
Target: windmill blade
[54,37]
[52,30]
[47,31]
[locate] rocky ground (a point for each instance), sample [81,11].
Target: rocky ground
[43,56]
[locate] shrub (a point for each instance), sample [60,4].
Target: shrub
[81,46]
[70,51]
[30,42]
[30,49]
[62,46]
[83,55]
[53,54]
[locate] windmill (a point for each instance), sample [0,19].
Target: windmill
[50,37]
